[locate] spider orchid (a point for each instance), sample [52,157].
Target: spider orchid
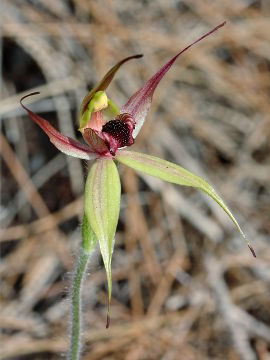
[107,141]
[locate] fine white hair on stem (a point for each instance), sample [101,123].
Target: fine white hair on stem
[76,321]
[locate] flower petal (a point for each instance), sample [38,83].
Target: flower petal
[63,143]
[96,122]
[139,103]
[96,143]
[105,82]
[175,174]
[101,207]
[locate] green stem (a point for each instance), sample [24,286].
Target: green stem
[89,241]
[75,343]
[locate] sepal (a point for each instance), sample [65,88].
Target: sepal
[102,206]
[63,143]
[139,103]
[175,174]
[101,86]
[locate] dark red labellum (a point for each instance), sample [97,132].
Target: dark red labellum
[118,132]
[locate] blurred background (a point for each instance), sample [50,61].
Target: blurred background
[185,285]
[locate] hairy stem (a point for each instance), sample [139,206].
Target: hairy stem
[89,241]
[75,341]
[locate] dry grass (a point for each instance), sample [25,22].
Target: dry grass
[185,286]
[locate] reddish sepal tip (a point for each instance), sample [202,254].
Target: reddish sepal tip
[222,24]
[252,251]
[108,321]
[138,56]
[26,96]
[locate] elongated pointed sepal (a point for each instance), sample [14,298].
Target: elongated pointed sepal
[139,103]
[63,143]
[102,85]
[102,206]
[175,174]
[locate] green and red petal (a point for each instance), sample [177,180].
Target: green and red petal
[96,142]
[63,143]
[175,174]
[139,103]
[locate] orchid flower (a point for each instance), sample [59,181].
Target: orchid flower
[107,140]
